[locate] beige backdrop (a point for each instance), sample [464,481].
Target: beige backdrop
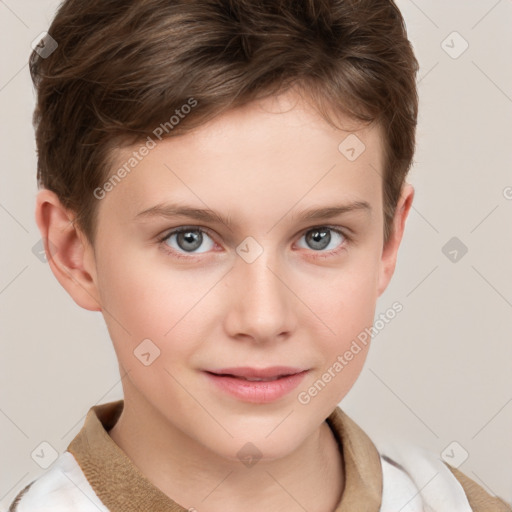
[438,374]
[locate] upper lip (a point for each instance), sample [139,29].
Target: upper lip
[258,373]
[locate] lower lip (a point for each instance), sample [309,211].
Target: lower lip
[257,391]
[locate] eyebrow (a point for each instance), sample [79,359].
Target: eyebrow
[171,210]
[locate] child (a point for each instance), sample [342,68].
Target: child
[254,131]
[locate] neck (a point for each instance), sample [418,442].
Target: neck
[311,478]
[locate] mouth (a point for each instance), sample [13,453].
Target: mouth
[269,373]
[254,379]
[256,385]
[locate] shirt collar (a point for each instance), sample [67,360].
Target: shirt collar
[122,487]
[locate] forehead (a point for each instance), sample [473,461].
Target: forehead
[265,157]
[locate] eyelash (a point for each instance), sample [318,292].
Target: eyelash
[192,257]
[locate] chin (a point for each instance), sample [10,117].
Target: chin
[250,448]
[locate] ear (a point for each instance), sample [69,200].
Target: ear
[390,249]
[68,252]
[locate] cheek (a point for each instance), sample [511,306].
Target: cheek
[347,309]
[148,297]
[344,308]
[143,300]
[343,299]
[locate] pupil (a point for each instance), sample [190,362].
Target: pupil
[190,237]
[320,238]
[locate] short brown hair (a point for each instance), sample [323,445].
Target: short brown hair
[122,67]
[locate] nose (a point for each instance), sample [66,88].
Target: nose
[261,301]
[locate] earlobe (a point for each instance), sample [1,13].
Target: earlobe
[69,255]
[390,249]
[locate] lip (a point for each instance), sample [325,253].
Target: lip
[231,381]
[262,373]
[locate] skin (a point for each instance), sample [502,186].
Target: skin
[294,305]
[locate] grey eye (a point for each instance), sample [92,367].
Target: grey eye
[319,239]
[188,240]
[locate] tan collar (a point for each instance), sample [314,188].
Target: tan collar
[122,487]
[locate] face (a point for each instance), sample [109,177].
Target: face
[266,281]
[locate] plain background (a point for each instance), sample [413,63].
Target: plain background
[439,372]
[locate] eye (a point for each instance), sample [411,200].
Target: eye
[325,237]
[188,240]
